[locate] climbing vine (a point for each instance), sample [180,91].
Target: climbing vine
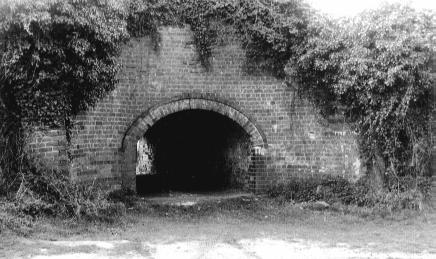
[58,58]
[270,32]
[376,70]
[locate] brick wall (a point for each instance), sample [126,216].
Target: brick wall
[295,139]
[49,147]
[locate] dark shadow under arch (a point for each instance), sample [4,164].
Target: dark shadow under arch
[144,122]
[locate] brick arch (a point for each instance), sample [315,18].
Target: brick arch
[146,120]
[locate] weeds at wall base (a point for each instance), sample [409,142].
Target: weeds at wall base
[257,208]
[344,196]
[45,193]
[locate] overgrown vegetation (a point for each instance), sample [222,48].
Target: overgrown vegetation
[270,32]
[51,193]
[375,70]
[58,58]
[410,193]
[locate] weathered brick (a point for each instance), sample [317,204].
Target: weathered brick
[155,84]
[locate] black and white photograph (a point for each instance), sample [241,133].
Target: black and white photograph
[218,129]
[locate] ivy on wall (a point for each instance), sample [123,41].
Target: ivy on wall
[375,69]
[58,58]
[270,32]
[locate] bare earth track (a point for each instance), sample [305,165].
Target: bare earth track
[229,226]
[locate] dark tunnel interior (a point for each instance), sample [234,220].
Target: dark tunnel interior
[196,151]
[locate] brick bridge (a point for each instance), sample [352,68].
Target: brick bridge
[160,87]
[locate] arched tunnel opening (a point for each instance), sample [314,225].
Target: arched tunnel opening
[193,151]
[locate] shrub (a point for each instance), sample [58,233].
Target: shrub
[336,189]
[124,196]
[57,58]
[393,201]
[375,70]
[313,188]
[52,192]
[12,219]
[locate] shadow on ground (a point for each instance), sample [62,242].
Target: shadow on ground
[228,225]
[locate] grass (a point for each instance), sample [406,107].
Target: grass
[230,220]
[251,208]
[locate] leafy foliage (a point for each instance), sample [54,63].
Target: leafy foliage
[12,219]
[52,192]
[375,70]
[270,32]
[145,17]
[273,34]
[337,190]
[320,187]
[57,57]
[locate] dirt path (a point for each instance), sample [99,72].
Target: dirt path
[228,234]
